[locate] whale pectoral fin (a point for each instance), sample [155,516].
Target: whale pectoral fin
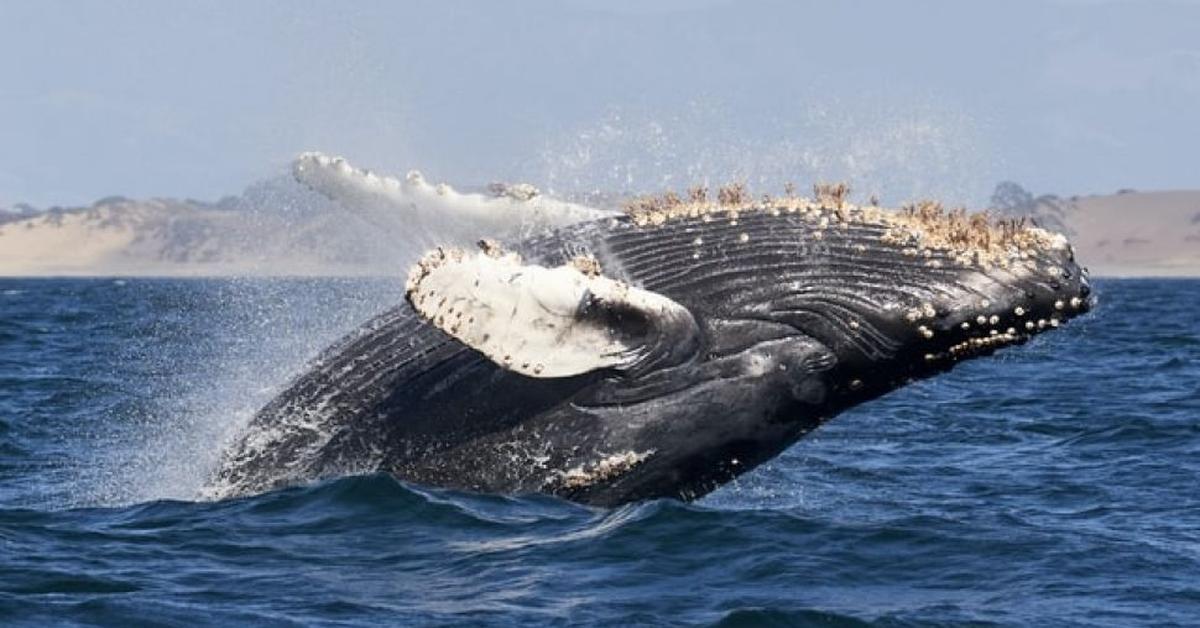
[548,322]
[396,203]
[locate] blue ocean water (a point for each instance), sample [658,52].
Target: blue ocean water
[1054,484]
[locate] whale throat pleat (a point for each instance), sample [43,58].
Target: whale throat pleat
[824,281]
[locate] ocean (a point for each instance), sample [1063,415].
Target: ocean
[1054,484]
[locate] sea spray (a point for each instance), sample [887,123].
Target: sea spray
[896,149]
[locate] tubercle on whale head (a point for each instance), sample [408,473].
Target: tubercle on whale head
[999,308]
[921,228]
[1008,281]
[926,225]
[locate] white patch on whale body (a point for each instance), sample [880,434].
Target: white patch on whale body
[537,321]
[412,202]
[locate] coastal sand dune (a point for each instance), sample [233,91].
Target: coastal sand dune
[1138,233]
[165,237]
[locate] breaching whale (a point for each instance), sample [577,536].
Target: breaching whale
[660,352]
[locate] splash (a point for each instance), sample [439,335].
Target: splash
[898,149]
[220,350]
[266,336]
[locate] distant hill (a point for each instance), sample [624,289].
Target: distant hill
[1129,233]
[279,228]
[1139,233]
[275,228]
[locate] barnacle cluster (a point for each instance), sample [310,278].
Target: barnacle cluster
[587,264]
[606,468]
[918,228]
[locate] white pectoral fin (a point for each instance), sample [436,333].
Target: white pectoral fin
[414,199]
[547,322]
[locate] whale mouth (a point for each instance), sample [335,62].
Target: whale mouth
[983,309]
[1033,305]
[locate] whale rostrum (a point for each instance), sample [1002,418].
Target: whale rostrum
[656,353]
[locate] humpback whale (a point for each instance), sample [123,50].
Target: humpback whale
[657,352]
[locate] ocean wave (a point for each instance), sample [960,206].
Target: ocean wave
[769,618]
[1049,484]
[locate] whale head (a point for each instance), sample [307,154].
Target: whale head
[802,309]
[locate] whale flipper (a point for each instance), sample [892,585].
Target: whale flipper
[410,206]
[548,322]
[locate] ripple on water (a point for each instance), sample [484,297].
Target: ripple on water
[1052,485]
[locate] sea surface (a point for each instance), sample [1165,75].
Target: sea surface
[1054,484]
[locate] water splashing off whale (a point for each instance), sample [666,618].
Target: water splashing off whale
[660,352]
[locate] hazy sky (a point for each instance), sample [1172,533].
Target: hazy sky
[902,98]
